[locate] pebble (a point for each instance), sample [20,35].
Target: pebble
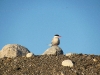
[29,55]
[67,63]
[69,54]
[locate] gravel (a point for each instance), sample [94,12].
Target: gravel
[83,64]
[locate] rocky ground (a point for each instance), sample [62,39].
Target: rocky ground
[50,65]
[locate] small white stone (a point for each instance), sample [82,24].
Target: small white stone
[94,60]
[29,54]
[69,54]
[62,73]
[67,63]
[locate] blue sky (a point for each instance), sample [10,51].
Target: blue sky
[33,23]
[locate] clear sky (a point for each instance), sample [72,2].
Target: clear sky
[33,23]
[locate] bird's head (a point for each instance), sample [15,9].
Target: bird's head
[56,35]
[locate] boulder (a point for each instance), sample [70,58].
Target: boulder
[68,63]
[53,50]
[13,50]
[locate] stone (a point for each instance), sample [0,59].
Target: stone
[62,73]
[29,54]
[69,54]
[0,54]
[13,50]
[95,60]
[53,50]
[68,63]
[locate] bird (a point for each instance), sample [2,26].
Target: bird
[55,41]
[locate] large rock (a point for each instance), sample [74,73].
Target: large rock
[54,50]
[13,50]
